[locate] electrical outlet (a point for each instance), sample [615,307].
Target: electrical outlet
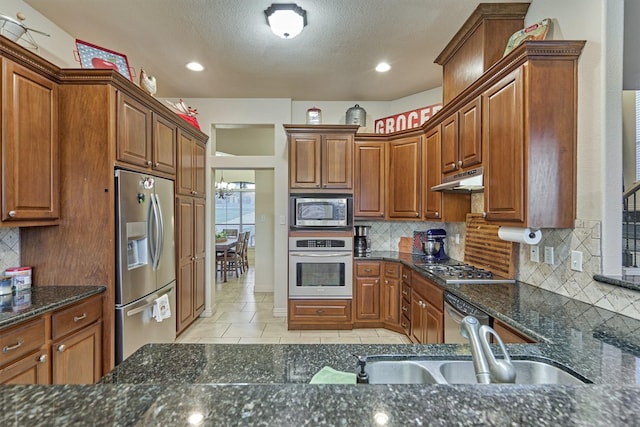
[535,253]
[548,255]
[576,260]
[457,238]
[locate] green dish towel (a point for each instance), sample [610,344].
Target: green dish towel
[329,375]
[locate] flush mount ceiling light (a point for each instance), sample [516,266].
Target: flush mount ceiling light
[194,66]
[383,67]
[286,20]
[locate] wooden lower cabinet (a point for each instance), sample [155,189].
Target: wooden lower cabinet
[367,293]
[60,347]
[391,295]
[320,314]
[427,315]
[77,359]
[509,335]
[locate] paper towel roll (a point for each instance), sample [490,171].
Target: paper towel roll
[520,235]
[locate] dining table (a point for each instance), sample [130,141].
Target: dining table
[223,247]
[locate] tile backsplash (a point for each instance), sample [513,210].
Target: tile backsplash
[557,278]
[9,248]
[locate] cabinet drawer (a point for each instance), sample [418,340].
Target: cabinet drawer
[21,340]
[406,274]
[318,310]
[75,317]
[406,292]
[367,269]
[392,270]
[405,308]
[430,292]
[405,323]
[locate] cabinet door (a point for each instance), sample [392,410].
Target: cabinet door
[304,161]
[449,150]
[470,134]
[185,279]
[199,153]
[417,318]
[190,180]
[134,132]
[369,172]
[32,369]
[431,171]
[77,359]
[391,301]
[404,186]
[30,146]
[503,147]
[199,254]
[164,145]
[434,329]
[337,161]
[367,298]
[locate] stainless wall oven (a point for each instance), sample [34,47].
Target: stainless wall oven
[320,267]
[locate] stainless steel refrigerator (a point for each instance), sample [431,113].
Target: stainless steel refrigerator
[145,261]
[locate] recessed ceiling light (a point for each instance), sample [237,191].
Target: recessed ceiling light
[195,66]
[383,67]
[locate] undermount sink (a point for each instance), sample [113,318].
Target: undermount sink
[399,372]
[425,371]
[527,372]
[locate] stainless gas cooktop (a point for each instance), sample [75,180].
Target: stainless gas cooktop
[463,273]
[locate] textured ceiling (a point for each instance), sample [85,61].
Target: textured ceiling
[333,58]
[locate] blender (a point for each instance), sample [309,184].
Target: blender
[433,248]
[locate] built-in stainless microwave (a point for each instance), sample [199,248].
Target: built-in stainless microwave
[312,211]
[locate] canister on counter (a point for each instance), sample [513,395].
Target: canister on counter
[21,277]
[6,286]
[314,116]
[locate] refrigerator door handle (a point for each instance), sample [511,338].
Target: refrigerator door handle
[150,300]
[160,245]
[151,237]
[157,235]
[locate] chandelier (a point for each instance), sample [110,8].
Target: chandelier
[223,189]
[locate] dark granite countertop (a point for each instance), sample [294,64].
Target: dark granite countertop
[165,384]
[626,281]
[24,305]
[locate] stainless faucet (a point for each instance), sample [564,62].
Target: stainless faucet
[488,368]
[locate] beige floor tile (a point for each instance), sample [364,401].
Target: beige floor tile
[215,330]
[279,330]
[321,333]
[260,340]
[267,318]
[228,307]
[300,340]
[340,340]
[363,332]
[238,316]
[244,330]
[263,307]
[387,333]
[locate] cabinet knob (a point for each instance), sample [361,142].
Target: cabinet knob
[12,214]
[194,192]
[459,162]
[453,165]
[149,163]
[437,214]
[381,213]
[417,214]
[42,358]
[62,348]
[386,282]
[404,325]
[484,214]
[157,165]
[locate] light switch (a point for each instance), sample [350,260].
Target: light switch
[548,255]
[576,260]
[535,253]
[283,220]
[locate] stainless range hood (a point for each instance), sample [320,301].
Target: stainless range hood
[467,181]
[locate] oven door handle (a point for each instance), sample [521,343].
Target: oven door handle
[319,255]
[456,315]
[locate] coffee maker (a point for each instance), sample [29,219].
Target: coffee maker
[433,248]
[362,241]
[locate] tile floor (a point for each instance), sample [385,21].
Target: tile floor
[245,317]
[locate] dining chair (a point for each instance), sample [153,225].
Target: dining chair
[245,247]
[230,232]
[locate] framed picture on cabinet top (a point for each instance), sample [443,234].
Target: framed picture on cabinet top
[93,56]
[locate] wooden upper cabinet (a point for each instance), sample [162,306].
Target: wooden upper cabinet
[321,157]
[30,147]
[503,137]
[404,186]
[134,132]
[304,161]
[369,179]
[462,138]
[191,166]
[165,139]
[432,200]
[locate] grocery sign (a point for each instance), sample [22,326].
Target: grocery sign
[406,120]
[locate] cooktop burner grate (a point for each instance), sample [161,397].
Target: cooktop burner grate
[463,273]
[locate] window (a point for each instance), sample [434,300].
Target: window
[637,135]
[236,209]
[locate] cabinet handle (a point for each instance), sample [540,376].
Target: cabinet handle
[320,311]
[404,325]
[149,163]
[194,192]
[42,358]
[12,214]
[405,293]
[79,318]
[404,276]
[8,348]
[404,308]
[62,348]
[367,270]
